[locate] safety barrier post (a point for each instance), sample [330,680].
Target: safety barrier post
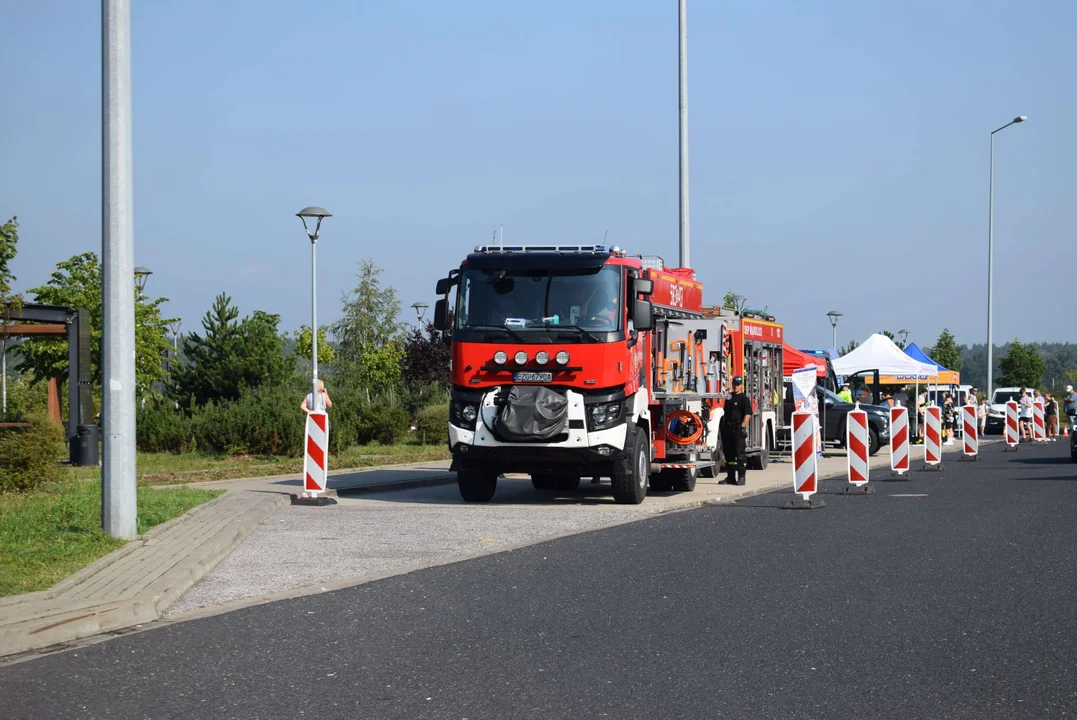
[856,448]
[933,438]
[805,463]
[970,433]
[315,462]
[899,443]
[1013,437]
[1039,430]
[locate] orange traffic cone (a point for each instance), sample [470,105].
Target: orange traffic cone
[1065,430]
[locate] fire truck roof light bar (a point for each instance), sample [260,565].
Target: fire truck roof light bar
[496,249]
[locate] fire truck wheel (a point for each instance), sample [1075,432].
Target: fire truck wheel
[631,470]
[477,484]
[716,469]
[662,482]
[555,482]
[760,461]
[684,480]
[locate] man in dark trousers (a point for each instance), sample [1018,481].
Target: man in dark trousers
[734,429]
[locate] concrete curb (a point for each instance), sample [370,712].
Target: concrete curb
[82,619]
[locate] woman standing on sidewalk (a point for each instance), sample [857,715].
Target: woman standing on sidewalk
[323,403]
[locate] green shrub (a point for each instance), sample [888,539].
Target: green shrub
[432,425]
[160,427]
[264,421]
[30,457]
[383,424]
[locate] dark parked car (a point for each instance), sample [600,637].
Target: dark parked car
[832,413]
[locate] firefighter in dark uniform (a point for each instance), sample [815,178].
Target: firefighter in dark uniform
[734,430]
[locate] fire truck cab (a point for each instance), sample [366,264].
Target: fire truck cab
[577,361]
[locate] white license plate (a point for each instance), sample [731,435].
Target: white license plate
[543,377]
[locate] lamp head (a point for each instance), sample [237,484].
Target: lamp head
[141,276]
[313,212]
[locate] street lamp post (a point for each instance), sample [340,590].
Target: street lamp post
[175,327]
[990,257]
[834,315]
[739,301]
[118,462]
[420,310]
[904,337]
[312,213]
[141,276]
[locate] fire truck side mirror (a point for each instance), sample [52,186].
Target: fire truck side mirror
[444,285]
[644,286]
[643,315]
[440,312]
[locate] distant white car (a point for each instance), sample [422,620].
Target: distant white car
[996,411]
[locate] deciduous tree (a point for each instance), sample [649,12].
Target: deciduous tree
[76,283]
[1022,366]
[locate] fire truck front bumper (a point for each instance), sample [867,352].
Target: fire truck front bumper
[577,449]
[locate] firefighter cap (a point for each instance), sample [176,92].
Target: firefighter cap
[738,380]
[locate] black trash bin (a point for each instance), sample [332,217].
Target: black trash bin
[85,446]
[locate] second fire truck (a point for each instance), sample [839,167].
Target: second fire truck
[582,361]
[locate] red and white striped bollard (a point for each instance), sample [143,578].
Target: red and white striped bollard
[970,433]
[315,461]
[1039,429]
[856,449]
[933,438]
[805,463]
[1013,436]
[899,443]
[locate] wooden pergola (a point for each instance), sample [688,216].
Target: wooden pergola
[53,320]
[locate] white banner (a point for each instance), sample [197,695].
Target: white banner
[805,399]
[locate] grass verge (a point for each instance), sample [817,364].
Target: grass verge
[168,468]
[54,531]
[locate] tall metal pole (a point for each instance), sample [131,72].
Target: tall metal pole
[3,393]
[834,335]
[990,260]
[682,21]
[314,318]
[118,505]
[991,272]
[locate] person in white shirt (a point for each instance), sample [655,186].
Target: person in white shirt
[1025,415]
[323,403]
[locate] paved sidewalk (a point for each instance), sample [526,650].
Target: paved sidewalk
[139,581]
[136,583]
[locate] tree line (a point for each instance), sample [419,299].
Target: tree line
[237,382]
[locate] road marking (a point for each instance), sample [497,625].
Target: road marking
[909,495]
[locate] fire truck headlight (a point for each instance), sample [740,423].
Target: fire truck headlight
[520,357]
[562,358]
[542,357]
[463,414]
[603,415]
[501,357]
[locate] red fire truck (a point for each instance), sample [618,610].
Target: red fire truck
[583,361]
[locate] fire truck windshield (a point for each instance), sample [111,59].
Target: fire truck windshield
[538,300]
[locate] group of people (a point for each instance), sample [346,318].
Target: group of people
[950,410]
[1050,413]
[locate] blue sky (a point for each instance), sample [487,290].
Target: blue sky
[839,150]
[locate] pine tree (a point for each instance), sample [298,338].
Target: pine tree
[233,355]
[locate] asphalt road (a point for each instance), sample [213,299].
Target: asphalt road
[949,596]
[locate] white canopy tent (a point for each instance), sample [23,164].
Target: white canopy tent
[880,353]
